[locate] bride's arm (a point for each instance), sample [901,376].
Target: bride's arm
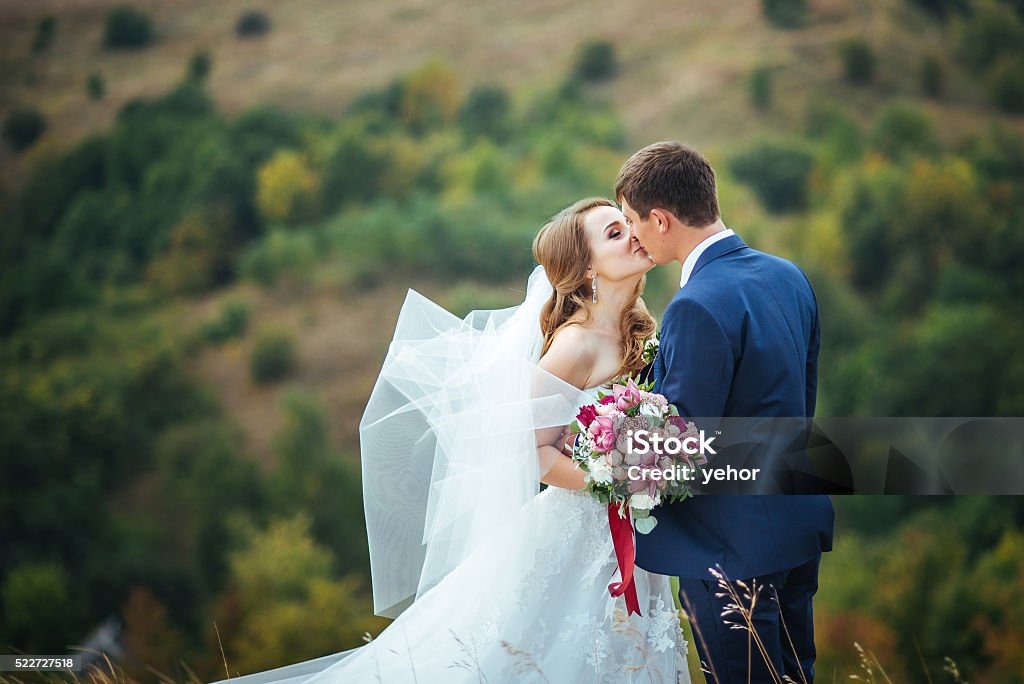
[570,359]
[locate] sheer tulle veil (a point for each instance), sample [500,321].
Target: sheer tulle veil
[449,438]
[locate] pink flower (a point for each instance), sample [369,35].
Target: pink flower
[626,397]
[679,422]
[586,415]
[607,400]
[654,399]
[602,432]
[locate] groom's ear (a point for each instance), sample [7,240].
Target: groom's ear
[661,219]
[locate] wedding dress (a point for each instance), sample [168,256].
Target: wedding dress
[490,580]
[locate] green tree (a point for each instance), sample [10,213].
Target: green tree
[287,188]
[759,88]
[95,86]
[486,112]
[293,608]
[777,172]
[311,476]
[430,97]
[252,23]
[993,30]
[127,28]
[40,614]
[45,30]
[903,130]
[933,77]
[199,66]
[272,356]
[595,61]
[859,62]
[23,126]
[1006,84]
[785,13]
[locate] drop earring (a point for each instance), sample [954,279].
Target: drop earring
[593,284]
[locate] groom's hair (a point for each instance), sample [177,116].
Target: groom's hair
[668,175]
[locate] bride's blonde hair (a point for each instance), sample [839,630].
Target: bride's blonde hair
[562,248]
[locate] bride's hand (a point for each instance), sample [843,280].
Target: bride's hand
[565,440]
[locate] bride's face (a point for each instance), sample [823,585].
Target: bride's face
[614,254]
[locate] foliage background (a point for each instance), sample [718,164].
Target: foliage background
[210,214]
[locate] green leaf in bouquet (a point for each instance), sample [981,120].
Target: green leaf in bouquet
[645,525]
[575,427]
[641,513]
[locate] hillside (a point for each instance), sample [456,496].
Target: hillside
[683,74]
[201,270]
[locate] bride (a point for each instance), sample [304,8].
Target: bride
[489,580]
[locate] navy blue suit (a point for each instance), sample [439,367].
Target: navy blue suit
[741,339]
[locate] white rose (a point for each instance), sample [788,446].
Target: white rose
[600,471]
[643,501]
[650,410]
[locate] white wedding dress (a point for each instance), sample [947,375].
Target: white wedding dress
[490,580]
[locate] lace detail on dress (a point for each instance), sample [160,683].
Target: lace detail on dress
[546,564]
[663,627]
[588,636]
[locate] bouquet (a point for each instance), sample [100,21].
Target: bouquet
[637,451]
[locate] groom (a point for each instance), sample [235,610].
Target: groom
[739,339]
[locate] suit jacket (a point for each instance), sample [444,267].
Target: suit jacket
[740,339]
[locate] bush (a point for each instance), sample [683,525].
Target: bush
[196,258]
[230,323]
[785,13]
[287,188]
[23,127]
[252,23]
[993,30]
[95,86]
[199,66]
[759,88]
[858,61]
[280,254]
[777,172]
[595,61]
[486,112]
[943,8]
[36,598]
[355,169]
[127,28]
[933,77]
[1006,84]
[831,124]
[902,130]
[430,97]
[45,30]
[272,357]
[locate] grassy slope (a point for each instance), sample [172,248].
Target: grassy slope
[684,71]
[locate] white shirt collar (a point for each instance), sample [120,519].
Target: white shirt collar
[691,259]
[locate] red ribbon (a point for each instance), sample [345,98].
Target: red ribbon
[622,538]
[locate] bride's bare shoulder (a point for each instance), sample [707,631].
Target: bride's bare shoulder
[571,356]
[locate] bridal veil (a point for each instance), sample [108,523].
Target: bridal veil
[449,438]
